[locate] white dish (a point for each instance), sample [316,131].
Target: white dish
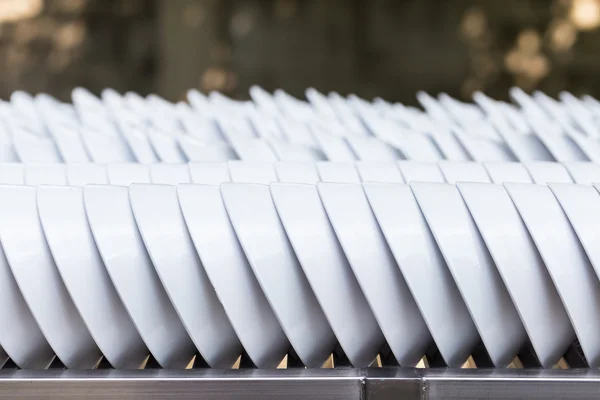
[372,149]
[169,174]
[253,149]
[7,148]
[252,172]
[483,149]
[197,151]
[338,172]
[166,147]
[376,271]
[559,247]
[85,174]
[63,218]
[210,173]
[292,152]
[45,174]
[34,148]
[69,144]
[299,133]
[585,173]
[230,274]
[257,226]
[181,273]
[565,259]
[581,204]
[125,174]
[379,172]
[545,172]
[450,147]
[525,146]
[293,172]
[588,145]
[104,148]
[415,171]
[425,270]
[473,270]
[522,270]
[463,171]
[12,174]
[501,172]
[234,127]
[201,127]
[38,279]
[20,334]
[408,144]
[135,279]
[25,105]
[328,272]
[139,144]
[335,148]
[561,146]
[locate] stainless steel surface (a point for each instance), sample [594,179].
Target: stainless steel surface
[183,385]
[358,384]
[511,384]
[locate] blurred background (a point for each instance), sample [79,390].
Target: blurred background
[387,48]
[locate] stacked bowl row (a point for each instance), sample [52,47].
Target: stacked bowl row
[277,127]
[213,260]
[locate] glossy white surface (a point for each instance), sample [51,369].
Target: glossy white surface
[521,268]
[371,149]
[583,172]
[209,173]
[231,276]
[548,172]
[38,279]
[338,172]
[454,171]
[293,172]
[69,144]
[379,172]
[473,270]
[105,149]
[261,234]
[140,145]
[181,273]
[581,204]
[135,279]
[328,272]
[125,174]
[336,149]
[74,251]
[85,174]
[413,171]
[166,147]
[384,287]
[526,147]
[45,174]
[34,148]
[169,174]
[424,269]
[501,172]
[252,172]
[12,174]
[20,334]
[253,149]
[289,152]
[197,151]
[559,247]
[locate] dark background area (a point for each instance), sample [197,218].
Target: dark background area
[387,48]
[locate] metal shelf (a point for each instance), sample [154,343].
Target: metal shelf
[332,384]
